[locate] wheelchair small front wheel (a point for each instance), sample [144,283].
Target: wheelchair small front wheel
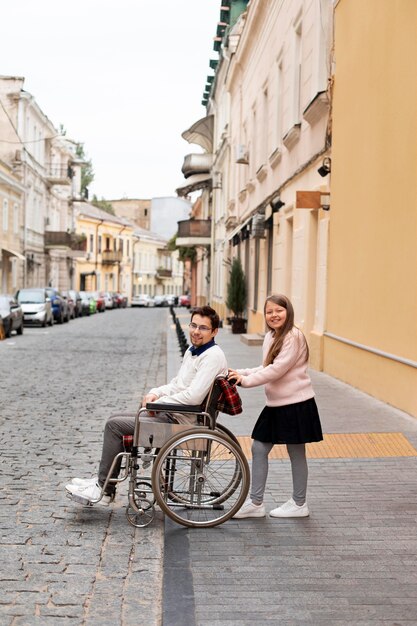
[200,478]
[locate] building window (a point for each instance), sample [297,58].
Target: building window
[5,215]
[128,247]
[121,245]
[98,280]
[145,212]
[91,243]
[99,244]
[16,219]
[279,107]
[297,73]
[107,243]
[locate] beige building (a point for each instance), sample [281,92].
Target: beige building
[44,163]
[371,330]
[156,269]
[12,198]
[106,264]
[135,210]
[269,106]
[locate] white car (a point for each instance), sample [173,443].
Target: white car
[36,306]
[141,299]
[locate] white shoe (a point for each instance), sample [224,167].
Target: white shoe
[290,509]
[250,510]
[89,494]
[83,482]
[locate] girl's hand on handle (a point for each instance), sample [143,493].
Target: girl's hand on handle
[233,376]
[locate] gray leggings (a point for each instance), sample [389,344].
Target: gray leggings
[297,454]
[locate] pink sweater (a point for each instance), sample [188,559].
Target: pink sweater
[286,379]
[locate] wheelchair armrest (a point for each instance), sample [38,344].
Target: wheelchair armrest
[174,408]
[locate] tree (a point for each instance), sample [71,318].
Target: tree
[184,253]
[236,290]
[103,204]
[87,173]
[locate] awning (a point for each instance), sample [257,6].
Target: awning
[14,253]
[201,133]
[197,181]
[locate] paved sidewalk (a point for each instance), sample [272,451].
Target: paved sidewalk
[351,562]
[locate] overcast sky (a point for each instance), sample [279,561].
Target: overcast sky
[125,77]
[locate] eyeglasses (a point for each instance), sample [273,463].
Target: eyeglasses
[203,329]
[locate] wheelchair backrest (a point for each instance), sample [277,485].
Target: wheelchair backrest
[212,398]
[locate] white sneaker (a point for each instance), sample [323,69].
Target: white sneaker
[88,494]
[290,509]
[83,482]
[250,510]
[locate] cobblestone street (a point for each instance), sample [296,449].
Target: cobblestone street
[62,564]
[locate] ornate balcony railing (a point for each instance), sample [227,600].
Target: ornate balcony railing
[58,239]
[111,257]
[59,174]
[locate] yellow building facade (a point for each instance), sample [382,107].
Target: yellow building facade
[106,264]
[371,332]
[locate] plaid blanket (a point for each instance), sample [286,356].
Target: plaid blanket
[229,400]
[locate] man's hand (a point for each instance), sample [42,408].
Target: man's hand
[149,397]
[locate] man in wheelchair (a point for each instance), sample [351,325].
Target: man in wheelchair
[202,362]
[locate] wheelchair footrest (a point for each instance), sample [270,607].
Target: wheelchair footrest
[75,497]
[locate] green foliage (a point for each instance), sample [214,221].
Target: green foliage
[103,204]
[87,173]
[236,289]
[184,253]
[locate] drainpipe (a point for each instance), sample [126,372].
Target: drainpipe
[118,273]
[96,263]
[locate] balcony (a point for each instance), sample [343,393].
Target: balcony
[197,164]
[162,273]
[63,239]
[194,233]
[58,174]
[111,257]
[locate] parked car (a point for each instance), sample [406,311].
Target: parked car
[12,315]
[100,301]
[159,300]
[109,300]
[75,296]
[36,306]
[169,300]
[120,300]
[142,299]
[70,304]
[88,303]
[59,305]
[185,300]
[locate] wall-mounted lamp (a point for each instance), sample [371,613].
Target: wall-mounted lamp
[326,168]
[276,205]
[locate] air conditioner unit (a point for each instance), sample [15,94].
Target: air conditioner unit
[242,155]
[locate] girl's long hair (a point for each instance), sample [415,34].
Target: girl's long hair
[279,335]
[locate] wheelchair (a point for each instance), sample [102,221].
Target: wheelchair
[199,477]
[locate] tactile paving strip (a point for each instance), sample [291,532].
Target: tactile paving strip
[346,445]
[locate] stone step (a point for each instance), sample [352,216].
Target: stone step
[252,339]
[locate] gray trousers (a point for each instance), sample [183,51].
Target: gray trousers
[297,454]
[119,425]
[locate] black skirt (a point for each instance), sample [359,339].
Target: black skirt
[293,423]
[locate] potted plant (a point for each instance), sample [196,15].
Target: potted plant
[236,297]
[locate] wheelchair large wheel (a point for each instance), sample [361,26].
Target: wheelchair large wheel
[200,478]
[215,496]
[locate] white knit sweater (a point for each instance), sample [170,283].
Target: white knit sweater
[194,378]
[286,380]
